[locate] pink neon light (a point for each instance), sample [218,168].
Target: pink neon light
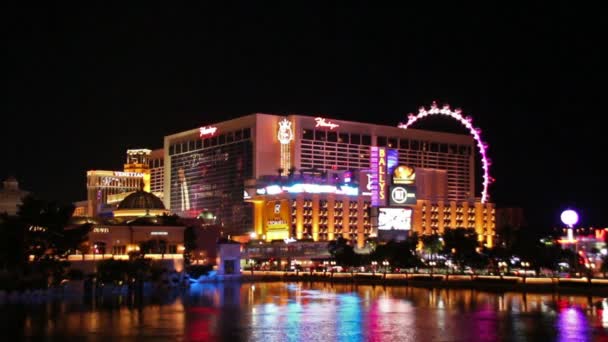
[208,130]
[322,123]
[466,122]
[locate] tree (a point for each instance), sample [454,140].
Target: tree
[604,267]
[461,243]
[189,243]
[45,226]
[342,252]
[12,245]
[399,254]
[431,244]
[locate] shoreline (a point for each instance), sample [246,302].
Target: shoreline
[597,287]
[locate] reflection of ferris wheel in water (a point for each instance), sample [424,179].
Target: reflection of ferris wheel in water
[466,122]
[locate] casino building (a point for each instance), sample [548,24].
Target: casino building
[316,178]
[106,189]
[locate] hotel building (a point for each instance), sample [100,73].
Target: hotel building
[157,171]
[106,189]
[217,167]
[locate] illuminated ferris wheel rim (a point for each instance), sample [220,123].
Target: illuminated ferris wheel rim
[466,122]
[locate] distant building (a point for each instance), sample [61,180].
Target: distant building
[207,167]
[138,225]
[157,171]
[105,189]
[508,221]
[11,196]
[513,217]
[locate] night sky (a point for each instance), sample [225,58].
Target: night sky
[85,84]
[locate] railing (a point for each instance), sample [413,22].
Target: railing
[424,276]
[87,257]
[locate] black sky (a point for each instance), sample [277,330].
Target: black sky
[85,84]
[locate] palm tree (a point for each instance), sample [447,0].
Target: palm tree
[604,267]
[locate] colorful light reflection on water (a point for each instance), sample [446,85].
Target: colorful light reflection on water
[317,312]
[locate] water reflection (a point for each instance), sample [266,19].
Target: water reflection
[315,312]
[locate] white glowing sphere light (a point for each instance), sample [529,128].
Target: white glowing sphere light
[569,217]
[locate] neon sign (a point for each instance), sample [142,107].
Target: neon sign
[322,123]
[382,175]
[101,230]
[128,174]
[207,131]
[309,188]
[285,134]
[373,160]
[378,161]
[402,194]
[159,233]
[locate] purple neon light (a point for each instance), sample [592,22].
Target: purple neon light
[466,122]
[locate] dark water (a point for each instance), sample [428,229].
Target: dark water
[312,312]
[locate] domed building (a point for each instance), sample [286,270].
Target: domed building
[140,203]
[11,196]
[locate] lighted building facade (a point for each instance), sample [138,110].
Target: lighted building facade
[106,189]
[320,209]
[137,225]
[206,168]
[157,172]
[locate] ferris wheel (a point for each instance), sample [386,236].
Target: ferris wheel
[467,122]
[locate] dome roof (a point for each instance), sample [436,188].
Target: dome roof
[141,200]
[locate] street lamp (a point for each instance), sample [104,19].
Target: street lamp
[251,264]
[432,263]
[525,265]
[385,263]
[374,263]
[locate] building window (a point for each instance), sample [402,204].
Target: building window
[320,135]
[308,134]
[247,133]
[191,145]
[343,138]
[332,136]
[238,135]
[392,142]
[213,141]
[178,148]
[381,141]
[355,139]
[229,137]
[199,144]
[206,143]
[366,140]
[222,139]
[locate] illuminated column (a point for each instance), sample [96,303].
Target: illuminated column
[346,218]
[285,136]
[315,217]
[417,218]
[331,202]
[479,218]
[258,217]
[360,226]
[299,216]
[440,217]
[465,214]
[453,215]
[490,225]
[427,217]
